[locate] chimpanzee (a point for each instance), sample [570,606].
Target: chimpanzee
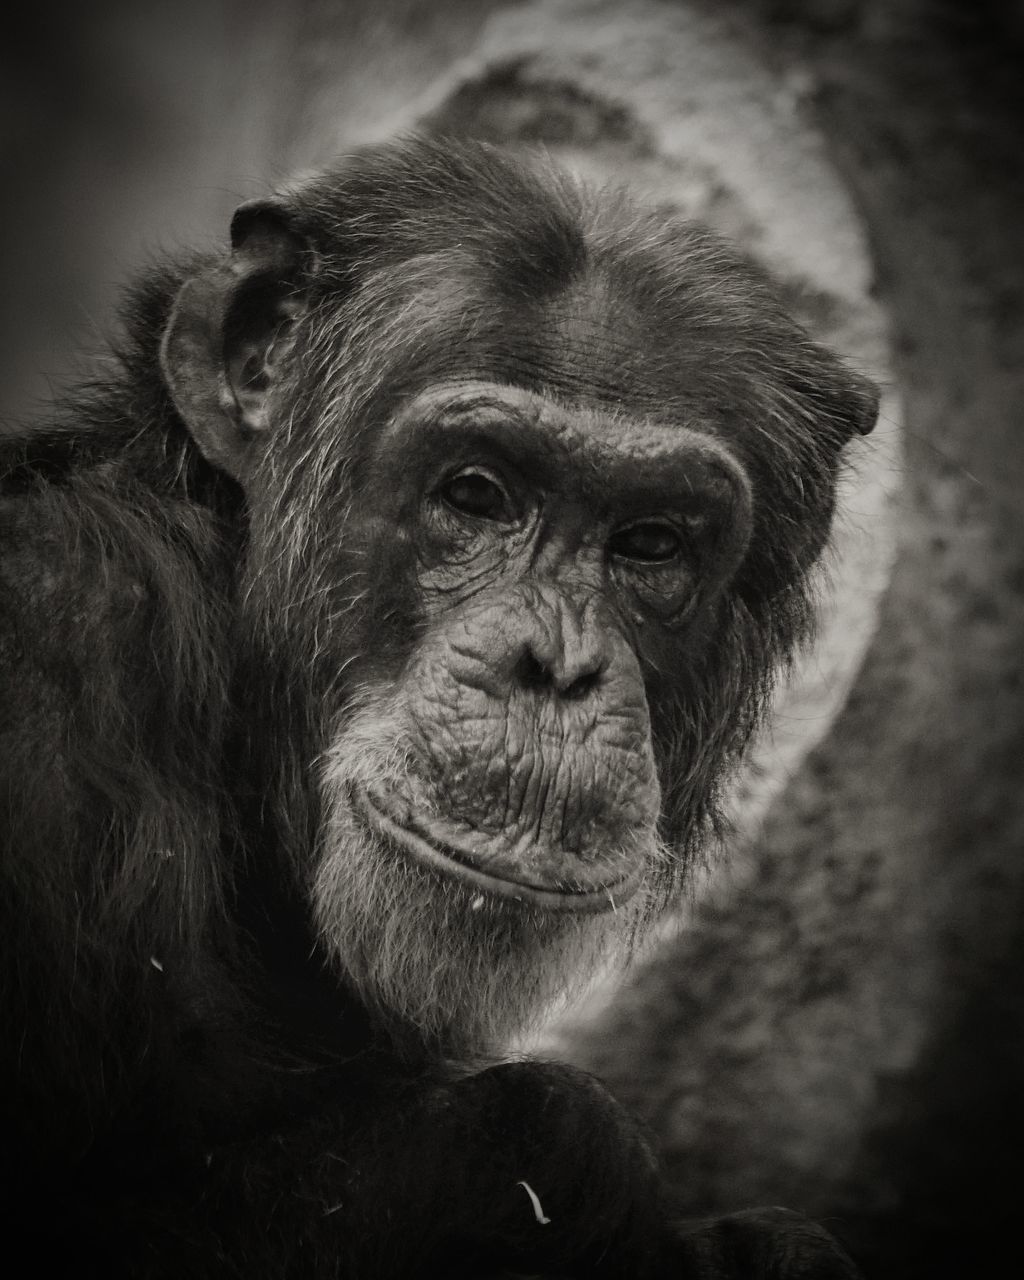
[377,630]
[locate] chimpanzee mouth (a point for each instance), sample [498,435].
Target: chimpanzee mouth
[444,852]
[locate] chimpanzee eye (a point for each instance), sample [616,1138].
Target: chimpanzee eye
[474,493]
[647,542]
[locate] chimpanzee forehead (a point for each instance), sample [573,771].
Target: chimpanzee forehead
[587,340]
[596,342]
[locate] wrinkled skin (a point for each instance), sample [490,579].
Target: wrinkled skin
[527,719]
[375,641]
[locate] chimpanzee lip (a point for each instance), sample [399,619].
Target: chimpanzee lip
[448,856]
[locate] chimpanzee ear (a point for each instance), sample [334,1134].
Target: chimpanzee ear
[857,406]
[844,402]
[229,329]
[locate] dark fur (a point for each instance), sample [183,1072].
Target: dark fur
[188,1087]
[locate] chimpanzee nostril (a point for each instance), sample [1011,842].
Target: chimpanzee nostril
[531,672]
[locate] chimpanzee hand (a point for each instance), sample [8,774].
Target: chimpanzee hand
[535,1170]
[533,1166]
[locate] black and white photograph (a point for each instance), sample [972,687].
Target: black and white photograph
[512,640]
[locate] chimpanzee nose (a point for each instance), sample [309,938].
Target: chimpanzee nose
[563,650]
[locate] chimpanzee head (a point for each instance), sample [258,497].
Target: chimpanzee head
[534,480]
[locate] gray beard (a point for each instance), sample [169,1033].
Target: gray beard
[464,971]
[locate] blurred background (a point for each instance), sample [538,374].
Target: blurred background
[132,127]
[845,1035]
